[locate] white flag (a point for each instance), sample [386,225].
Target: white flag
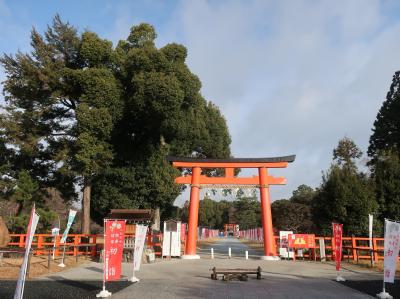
[19,291]
[392,242]
[140,238]
[71,217]
[371,221]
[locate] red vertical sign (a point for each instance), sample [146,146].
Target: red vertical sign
[337,237]
[113,247]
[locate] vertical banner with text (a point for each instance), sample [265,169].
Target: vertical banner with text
[33,221]
[370,224]
[392,231]
[71,217]
[113,247]
[140,238]
[337,237]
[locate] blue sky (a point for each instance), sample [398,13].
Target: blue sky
[291,77]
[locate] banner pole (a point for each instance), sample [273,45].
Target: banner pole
[384,294]
[104,293]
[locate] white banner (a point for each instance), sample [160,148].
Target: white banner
[392,242]
[284,244]
[371,221]
[140,238]
[19,291]
[71,217]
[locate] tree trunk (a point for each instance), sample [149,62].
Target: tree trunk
[156,221]
[86,206]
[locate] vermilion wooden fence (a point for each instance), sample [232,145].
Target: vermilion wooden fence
[75,243]
[355,248]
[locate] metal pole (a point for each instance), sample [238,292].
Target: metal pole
[104,255]
[212,253]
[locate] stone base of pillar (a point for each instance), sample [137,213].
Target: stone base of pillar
[270,258]
[190,257]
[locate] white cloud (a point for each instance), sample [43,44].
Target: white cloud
[293,77]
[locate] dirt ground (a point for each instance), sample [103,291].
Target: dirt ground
[9,267]
[252,244]
[206,242]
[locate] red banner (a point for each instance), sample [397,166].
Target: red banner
[337,236]
[301,241]
[113,247]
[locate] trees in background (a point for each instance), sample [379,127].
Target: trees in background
[384,150]
[294,213]
[80,112]
[386,175]
[346,195]
[386,128]
[247,212]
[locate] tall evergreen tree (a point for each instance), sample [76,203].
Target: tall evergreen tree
[345,195]
[384,149]
[387,181]
[386,130]
[80,111]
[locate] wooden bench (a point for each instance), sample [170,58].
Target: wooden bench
[229,274]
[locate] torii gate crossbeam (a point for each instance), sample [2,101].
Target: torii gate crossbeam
[263,181]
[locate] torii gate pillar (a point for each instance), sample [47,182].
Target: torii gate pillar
[266,217]
[190,250]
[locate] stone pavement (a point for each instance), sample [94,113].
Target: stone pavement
[191,279]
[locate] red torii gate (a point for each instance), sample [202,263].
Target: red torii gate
[263,180]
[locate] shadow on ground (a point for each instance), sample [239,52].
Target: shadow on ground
[40,289]
[373,287]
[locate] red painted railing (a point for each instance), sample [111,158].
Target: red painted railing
[75,243]
[355,248]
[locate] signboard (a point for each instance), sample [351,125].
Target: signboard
[301,241]
[337,239]
[140,238]
[171,245]
[71,218]
[113,247]
[392,243]
[33,221]
[284,244]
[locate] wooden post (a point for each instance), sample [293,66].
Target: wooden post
[76,243]
[354,248]
[94,248]
[375,248]
[21,240]
[57,251]
[48,260]
[39,244]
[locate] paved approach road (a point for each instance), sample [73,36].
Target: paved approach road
[221,248]
[191,279]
